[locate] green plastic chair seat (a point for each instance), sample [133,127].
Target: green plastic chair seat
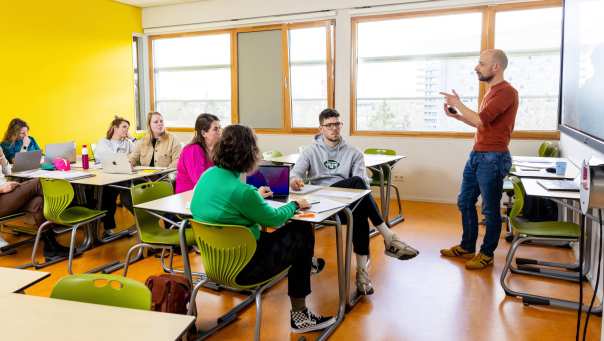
[559,229]
[76,214]
[225,250]
[165,236]
[110,290]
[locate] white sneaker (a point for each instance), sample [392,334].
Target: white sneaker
[399,249]
[364,285]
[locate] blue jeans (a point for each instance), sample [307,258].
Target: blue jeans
[483,175]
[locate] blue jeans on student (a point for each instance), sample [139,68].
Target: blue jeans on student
[483,175]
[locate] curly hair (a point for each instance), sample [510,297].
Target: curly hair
[237,149]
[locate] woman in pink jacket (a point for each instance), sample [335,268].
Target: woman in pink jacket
[196,157]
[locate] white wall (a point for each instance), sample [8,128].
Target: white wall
[432,169]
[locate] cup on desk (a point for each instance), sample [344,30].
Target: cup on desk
[560,168]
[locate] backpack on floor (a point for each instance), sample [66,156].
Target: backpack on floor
[169,293]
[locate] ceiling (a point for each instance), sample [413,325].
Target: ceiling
[150,3]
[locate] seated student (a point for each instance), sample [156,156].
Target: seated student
[222,198]
[195,157]
[27,197]
[332,162]
[16,139]
[157,148]
[117,140]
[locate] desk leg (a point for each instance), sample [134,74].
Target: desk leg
[343,272]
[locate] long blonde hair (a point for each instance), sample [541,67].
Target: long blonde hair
[149,118]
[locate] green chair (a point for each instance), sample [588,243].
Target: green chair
[151,233]
[544,231]
[382,175]
[58,195]
[548,149]
[110,290]
[225,250]
[270,154]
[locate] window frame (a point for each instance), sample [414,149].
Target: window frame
[285,69]
[487,42]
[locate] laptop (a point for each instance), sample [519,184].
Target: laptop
[117,163]
[276,177]
[26,161]
[61,150]
[559,185]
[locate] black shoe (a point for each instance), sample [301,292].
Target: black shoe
[305,321]
[317,265]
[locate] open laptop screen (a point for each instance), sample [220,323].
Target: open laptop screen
[273,176]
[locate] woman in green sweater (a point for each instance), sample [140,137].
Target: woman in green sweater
[220,197]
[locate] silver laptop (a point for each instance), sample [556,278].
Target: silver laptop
[65,151]
[25,161]
[117,163]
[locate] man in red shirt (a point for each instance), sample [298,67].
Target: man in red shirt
[489,161]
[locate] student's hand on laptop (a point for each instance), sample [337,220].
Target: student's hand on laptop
[265,191]
[8,187]
[296,184]
[302,203]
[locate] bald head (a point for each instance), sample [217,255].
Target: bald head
[497,56]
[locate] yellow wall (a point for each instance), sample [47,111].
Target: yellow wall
[66,66]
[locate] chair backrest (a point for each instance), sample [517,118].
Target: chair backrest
[271,154]
[548,149]
[111,290]
[58,194]
[225,250]
[148,191]
[380,151]
[375,177]
[518,197]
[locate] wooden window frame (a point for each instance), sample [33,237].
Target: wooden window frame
[487,42]
[285,69]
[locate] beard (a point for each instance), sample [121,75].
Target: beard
[484,78]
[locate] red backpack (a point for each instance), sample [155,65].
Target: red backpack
[169,293]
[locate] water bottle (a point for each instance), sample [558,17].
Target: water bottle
[84,157]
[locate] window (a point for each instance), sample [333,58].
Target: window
[308,51]
[531,39]
[192,75]
[231,74]
[402,62]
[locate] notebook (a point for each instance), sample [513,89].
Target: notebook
[559,185]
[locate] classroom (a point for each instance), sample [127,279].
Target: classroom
[286,170]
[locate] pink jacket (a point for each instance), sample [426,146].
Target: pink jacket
[191,165]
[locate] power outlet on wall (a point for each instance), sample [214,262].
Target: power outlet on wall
[398,178]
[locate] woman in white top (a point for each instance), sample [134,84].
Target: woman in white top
[116,141]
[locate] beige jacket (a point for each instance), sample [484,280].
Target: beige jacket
[167,152]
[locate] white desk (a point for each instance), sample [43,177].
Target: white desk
[33,318]
[539,171]
[180,204]
[531,187]
[375,162]
[17,280]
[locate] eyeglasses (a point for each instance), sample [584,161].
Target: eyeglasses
[333,125]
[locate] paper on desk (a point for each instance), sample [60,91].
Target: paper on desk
[337,194]
[69,175]
[275,204]
[325,205]
[307,189]
[535,164]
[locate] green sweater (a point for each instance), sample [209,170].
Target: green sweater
[221,198]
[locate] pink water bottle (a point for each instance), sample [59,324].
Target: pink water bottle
[84,157]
